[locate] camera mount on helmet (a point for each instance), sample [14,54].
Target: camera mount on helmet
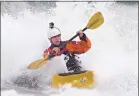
[51,25]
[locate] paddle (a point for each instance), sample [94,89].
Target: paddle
[95,21]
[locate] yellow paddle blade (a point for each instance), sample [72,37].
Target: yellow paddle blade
[95,21]
[38,63]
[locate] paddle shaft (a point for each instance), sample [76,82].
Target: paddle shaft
[76,35]
[72,38]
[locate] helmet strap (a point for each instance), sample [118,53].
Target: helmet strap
[50,40]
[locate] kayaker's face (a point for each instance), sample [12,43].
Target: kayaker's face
[56,39]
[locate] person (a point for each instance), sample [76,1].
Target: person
[71,50]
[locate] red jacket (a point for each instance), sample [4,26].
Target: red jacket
[73,47]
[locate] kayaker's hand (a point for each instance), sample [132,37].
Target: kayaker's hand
[56,50]
[80,32]
[45,54]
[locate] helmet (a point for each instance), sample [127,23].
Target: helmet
[52,31]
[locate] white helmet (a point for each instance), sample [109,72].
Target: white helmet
[52,31]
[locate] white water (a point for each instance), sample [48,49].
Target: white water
[113,56]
